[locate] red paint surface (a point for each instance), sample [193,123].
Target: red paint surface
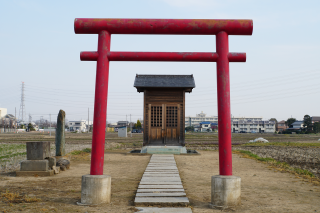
[224,113]
[220,28]
[100,104]
[164,26]
[163,56]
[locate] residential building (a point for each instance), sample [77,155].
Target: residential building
[3,112]
[80,126]
[205,126]
[201,117]
[315,119]
[8,121]
[239,124]
[253,126]
[296,125]
[281,126]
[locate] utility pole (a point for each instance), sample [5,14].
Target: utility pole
[15,119]
[50,125]
[41,118]
[22,112]
[88,121]
[130,126]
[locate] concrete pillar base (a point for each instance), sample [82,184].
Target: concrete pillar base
[95,189]
[225,191]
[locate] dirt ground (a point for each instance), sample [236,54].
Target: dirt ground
[263,189]
[59,193]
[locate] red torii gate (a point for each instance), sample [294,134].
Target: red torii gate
[221,28]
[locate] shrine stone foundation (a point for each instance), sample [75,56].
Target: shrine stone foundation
[95,189]
[225,191]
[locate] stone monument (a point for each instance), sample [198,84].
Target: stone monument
[63,161]
[39,161]
[60,134]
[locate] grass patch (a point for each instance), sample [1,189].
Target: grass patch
[281,166]
[9,197]
[293,144]
[79,152]
[254,156]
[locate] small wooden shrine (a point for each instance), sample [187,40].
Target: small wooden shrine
[164,108]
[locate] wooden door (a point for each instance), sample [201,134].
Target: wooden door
[156,124]
[172,124]
[164,126]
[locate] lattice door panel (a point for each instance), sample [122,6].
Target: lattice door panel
[172,116]
[156,116]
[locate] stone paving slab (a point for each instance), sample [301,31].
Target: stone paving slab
[160,179]
[171,157]
[160,183]
[162,168]
[164,171]
[164,210]
[161,175]
[163,186]
[160,190]
[164,194]
[160,161]
[161,172]
[163,164]
[161,200]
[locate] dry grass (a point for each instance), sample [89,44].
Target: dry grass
[9,197]
[281,167]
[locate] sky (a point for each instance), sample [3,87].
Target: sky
[38,46]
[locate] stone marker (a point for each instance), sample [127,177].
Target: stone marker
[34,165]
[63,163]
[60,134]
[39,162]
[56,169]
[52,162]
[38,150]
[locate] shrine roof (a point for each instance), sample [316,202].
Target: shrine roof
[164,81]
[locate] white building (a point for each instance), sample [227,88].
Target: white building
[80,126]
[195,121]
[253,126]
[3,112]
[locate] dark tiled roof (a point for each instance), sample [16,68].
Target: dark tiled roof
[169,81]
[315,118]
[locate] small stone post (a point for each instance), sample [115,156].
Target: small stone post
[60,134]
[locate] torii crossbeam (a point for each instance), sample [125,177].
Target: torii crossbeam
[106,27]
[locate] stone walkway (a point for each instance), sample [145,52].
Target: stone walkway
[161,185]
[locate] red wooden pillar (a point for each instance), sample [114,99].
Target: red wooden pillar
[100,104]
[224,114]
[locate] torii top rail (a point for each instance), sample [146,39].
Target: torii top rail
[221,28]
